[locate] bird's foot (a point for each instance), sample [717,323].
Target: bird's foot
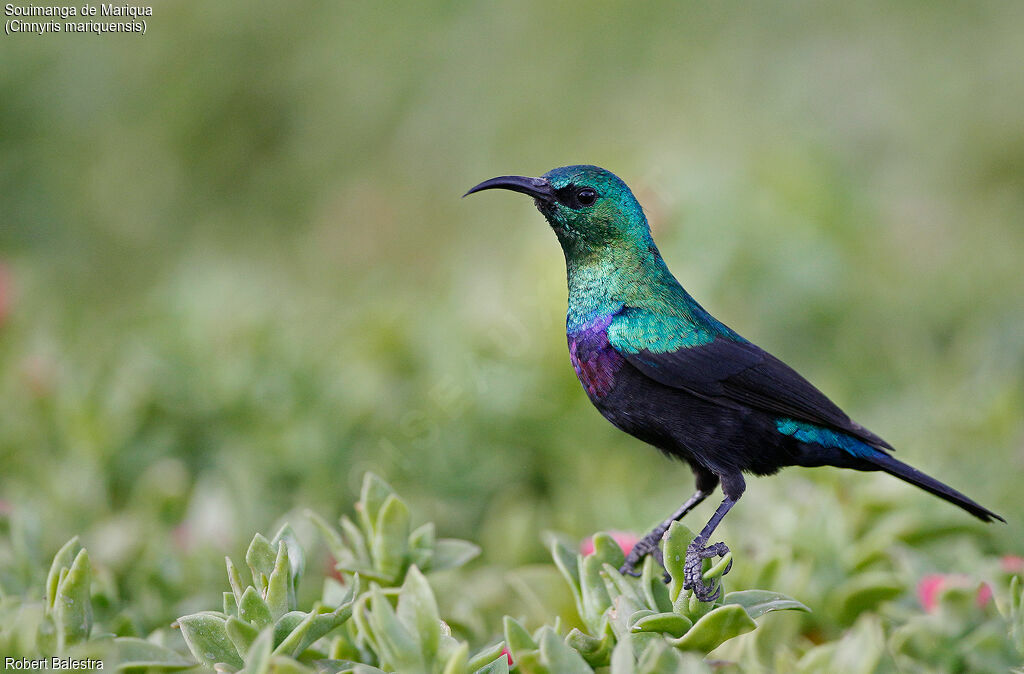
[693,569]
[648,545]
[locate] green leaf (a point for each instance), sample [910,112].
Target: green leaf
[677,541]
[261,557]
[134,653]
[718,568]
[864,592]
[206,636]
[355,539]
[417,610]
[715,628]
[458,660]
[607,550]
[517,638]
[659,658]
[597,652]
[860,651]
[230,604]
[372,496]
[451,553]
[1016,611]
[399,649]
[72,605]
[486,656]
[234,579]
[335,545]
[617,585]
[258,656]
[280,590]
[652,583]
[280,664]
[391,540]
[593,592]
[296,556]
[669,623]
[287,624]
[497,666]
[558,656]
[622,660]
[421,546]
[312,626]
[758,602]
[241,633]
[253,609]
[62,560]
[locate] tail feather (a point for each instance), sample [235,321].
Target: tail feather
[929,484]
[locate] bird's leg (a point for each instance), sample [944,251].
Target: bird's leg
[699,550]
[648,545]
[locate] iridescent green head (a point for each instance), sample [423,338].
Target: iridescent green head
[589,208]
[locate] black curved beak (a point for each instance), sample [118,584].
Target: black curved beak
[538,188]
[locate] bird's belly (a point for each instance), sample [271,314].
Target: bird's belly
[595,360]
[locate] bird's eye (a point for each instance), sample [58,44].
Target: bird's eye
[586,196]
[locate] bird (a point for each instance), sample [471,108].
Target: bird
[661,368]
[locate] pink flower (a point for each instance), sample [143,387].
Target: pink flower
[932,585]
[1012,563]
[625,539]
[928,591]
[984,594]
[505,652]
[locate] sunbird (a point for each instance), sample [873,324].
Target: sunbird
[658,366]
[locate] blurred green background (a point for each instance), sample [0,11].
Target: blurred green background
[237,273]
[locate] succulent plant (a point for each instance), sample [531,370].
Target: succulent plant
[260,627]
[384,545]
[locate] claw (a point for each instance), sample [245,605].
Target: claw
[693,569]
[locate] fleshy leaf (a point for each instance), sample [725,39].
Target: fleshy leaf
[652,583]
[134,653]
[456,663]
[558,656]
[258,656]
[62,560]
[372,496]
[517,638]
[622,660]
[715,628]
[864,592]
[421,545]
[399,649]
[253,609]
[241,634]
[659,658]
[670,623]
[206,636]
[677,540]
[391,540]
[72,605]
[451,553]
[758,602]
[597,652]
[261,557]
[296,556]
[280,591]
[607,550]
[417,610]
[486,656]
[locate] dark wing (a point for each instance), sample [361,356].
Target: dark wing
[738,371]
